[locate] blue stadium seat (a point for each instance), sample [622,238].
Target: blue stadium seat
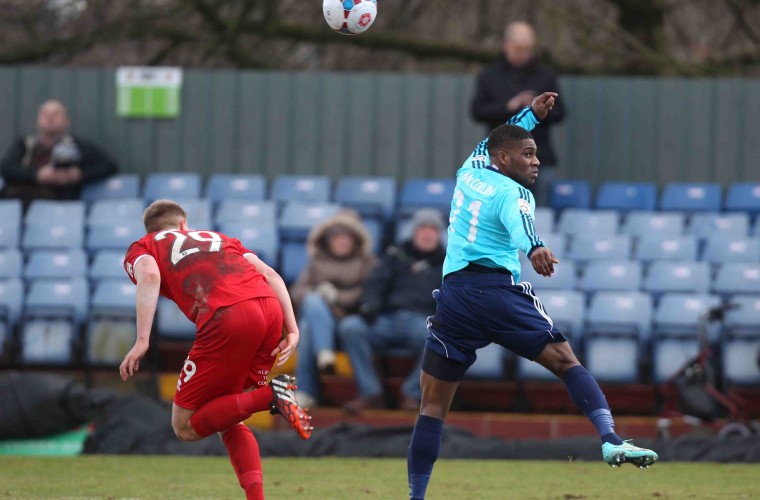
[744,197]
[567,310]
[691,197]
[570,194]
[10,223]
[261,238]
[744,321]
[11,263]
[49,213]
[720,249]
[115,187]
[557,242]
[372,197]
[666,276]
[71,263]
[222,187]
[735,278]
[565,276]
[124,210]
[108,264]
[544,221]
[198,213]
[640,224]
[246,212]
[376,230]
[174,185]
[171,323]
[293,261]
[422,193]
[576,221]
[114,236]
[53,313]
[298,217]
[676,329]
[110,328]
[704,225]
[741,341]
[304,188]
[627,196]
[52,236]
[665,247]
[586,247]
[490,363]
[611,275]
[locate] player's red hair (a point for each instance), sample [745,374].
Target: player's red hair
[163,214]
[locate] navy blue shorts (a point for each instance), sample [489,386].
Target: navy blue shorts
[476,309]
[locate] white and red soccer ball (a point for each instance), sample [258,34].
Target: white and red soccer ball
[350,17]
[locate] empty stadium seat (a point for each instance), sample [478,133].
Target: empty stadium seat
[576,221]
[124,210]
[372,197]
[293,260]
[704,225]
[737,278]
[65,297]
[543,221]
[556,242]
[422,193]
[246,212]
[741,341]
[677,276]
[639,224]
[565,276]
[627,196]
[49,213]
[691,197]
[590,247]
[744,320]
[744,197]
[198,213]
[171,323]
[110,329]
[304,188]
[108,264]
[117,236]
[298,217]
[115,187]
[10,223]
[611,275]
[260,237]
[570,194]
[52,236]
[249,187]
[71,263]
[172,185]
[666,247]
[720,249]
[11,263]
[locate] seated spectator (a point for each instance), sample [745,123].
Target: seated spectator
[328,289]
[397,299]
[52,164]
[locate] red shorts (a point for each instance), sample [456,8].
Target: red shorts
[231,352]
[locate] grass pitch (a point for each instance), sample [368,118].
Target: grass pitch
[148,477]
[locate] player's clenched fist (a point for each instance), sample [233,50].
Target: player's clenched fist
[543,103]
[543,261]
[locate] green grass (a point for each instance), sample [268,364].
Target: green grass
[358,478]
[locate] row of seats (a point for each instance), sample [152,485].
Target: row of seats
[625,337]
[379,194]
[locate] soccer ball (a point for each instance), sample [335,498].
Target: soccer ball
[350,17]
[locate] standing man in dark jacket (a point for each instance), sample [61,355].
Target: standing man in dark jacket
[509,85]
[52,164]
[397,299]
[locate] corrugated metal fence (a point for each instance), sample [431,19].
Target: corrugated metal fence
[405,125]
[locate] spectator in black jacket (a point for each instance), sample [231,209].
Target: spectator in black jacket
[510,84]
[52,164]
[396,302]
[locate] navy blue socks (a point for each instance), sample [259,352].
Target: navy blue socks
[422,454]
[588,397]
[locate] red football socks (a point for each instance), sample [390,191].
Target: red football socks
[244,456]
[223,412]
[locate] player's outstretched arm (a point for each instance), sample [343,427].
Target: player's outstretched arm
[148,279]
[287,345]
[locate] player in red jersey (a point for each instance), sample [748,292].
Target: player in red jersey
[239,306]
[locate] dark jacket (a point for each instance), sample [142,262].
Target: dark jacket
[17,170]
[500,82]
[404,279]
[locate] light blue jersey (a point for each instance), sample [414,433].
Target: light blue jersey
[491,215]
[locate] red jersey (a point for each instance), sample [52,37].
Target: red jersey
[200,270]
